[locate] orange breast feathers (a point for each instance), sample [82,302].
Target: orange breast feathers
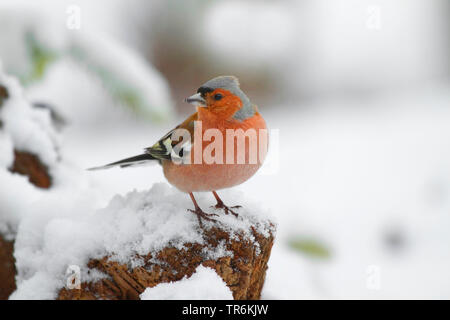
[236,138]
[224,152]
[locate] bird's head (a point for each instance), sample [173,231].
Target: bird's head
[222,95]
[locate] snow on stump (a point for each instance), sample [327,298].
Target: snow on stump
[155,240]
[28,165]
[27,149]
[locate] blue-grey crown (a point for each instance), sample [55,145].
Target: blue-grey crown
[231,83]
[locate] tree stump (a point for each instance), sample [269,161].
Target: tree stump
[243,270]
[29,165]
[7,269]
[16,112]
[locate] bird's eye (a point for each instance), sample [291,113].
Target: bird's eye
[218,96]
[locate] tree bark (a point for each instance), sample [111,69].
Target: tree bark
[29,165]
[7,269]
[243,271]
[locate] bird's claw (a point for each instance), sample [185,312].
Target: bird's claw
[227,210]
[203,215]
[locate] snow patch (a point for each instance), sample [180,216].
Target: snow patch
[29,128]
[204,284]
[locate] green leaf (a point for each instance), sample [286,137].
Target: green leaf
[40,57]
[310,247]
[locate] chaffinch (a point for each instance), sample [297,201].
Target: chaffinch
[201,154]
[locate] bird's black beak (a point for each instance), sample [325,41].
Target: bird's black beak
[196,100]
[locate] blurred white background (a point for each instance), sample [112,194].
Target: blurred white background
[359,91]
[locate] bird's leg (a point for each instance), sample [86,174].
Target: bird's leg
[221,205]
[199,212]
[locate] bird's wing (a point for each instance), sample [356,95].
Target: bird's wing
[163,148]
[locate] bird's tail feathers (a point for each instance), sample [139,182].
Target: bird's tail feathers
[128,162]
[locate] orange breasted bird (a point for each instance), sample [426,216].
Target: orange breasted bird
[224,116]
